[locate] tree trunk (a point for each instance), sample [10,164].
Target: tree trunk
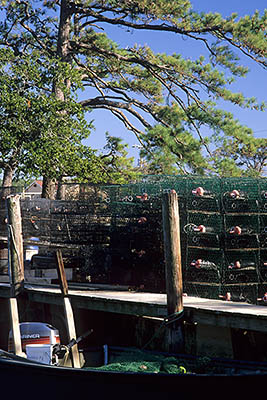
[63,53]
[8,177]
[7,182]
[61,192]
[48,190]
[63,43]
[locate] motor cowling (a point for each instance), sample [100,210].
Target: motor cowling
[35,333]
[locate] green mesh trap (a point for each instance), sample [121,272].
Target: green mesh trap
[113,233]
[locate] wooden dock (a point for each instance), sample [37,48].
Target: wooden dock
[196,310]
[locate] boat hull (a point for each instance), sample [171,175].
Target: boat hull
[46,380]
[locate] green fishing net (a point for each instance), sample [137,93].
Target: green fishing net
[140,361]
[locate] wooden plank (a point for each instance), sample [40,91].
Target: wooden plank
[67,308]
[14,317]
[71,331]
[61,273]
[15,245]
[197,310]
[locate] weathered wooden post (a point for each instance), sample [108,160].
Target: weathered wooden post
[15,265]
[15,245]
[71,331]
[173,268]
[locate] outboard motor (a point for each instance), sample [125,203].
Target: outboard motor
[37,340]
[41,343]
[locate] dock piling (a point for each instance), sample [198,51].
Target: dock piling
[15,245]
[15,265]
[173,268]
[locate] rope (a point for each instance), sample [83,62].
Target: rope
[169,319]
[173,317]
[189,228]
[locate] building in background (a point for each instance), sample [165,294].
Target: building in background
[34,190]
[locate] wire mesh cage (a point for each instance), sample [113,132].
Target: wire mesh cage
[245,241]
[241,224]
[263,223]
[263,265]
[112,237]
[263,195]
[263,241]
[204,265]
[203,289]
[241,266]
[241,292]
[203,194]
[240,194]
[262,292]
[203,229]
[113,234]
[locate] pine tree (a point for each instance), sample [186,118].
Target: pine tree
[147,91]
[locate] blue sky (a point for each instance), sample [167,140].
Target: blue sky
[254,85]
